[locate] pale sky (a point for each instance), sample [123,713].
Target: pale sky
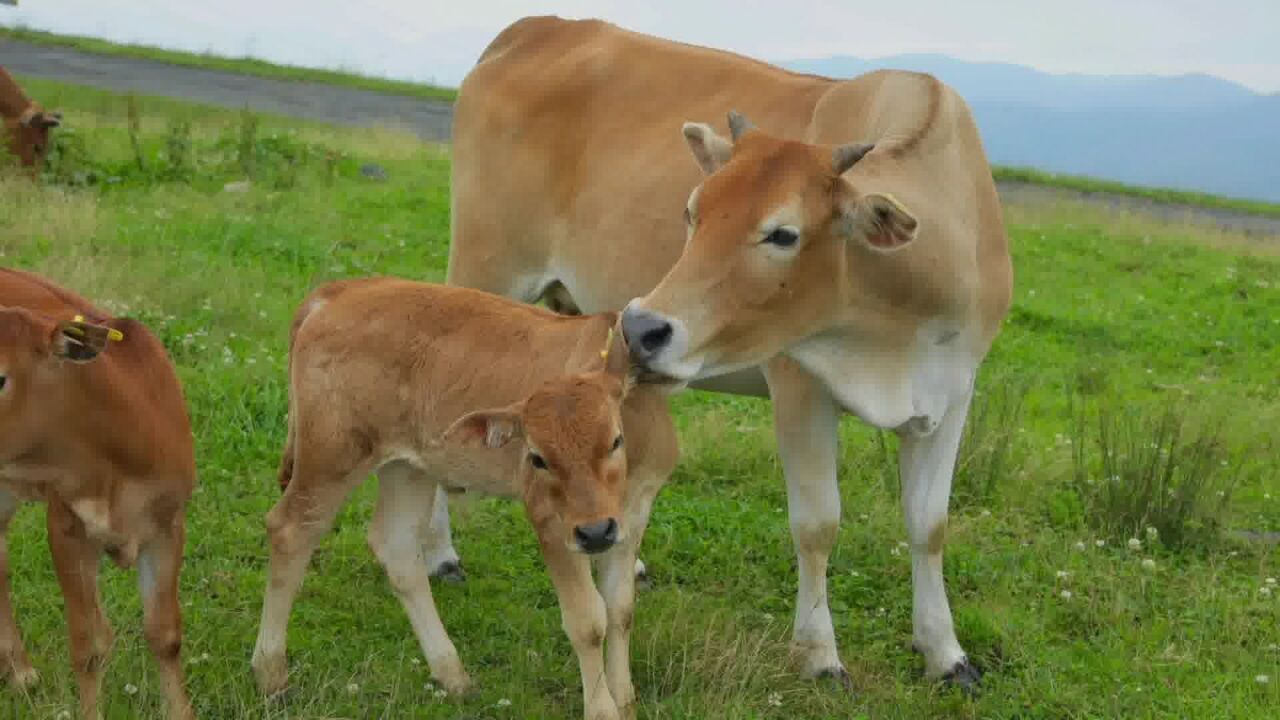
[440,39]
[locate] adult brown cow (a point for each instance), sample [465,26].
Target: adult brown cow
[26,123]
[97,430]
[852,248]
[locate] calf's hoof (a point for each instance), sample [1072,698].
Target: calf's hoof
[272,674]
[450,571]
[964,675]
[603,711]
[23,676]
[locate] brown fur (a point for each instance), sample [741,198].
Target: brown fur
[106,442]
[26,124]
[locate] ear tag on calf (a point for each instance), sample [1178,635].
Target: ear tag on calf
[112,333]
[608,343]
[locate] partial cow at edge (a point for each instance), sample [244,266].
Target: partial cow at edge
[26,124]
[94,424]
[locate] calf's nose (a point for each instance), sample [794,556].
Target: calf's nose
[646,333]
[598,536]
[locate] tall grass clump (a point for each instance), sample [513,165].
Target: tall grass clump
[988,450]
[1136,469]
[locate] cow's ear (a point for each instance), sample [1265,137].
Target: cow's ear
[486,428]
[617,364]
[709,149]
[81,342]
[879,222]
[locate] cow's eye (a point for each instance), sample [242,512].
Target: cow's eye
[536,460]
[617,443]
[782,237]
[3,381]
[688,217]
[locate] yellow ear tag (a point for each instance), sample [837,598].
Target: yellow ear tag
[608,343]
[112,333]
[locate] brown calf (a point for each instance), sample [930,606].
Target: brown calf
[93,422]
[26,124]
[387,375]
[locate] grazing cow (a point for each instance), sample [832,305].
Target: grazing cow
[851,248]
[93,422]
[438,387]
[26,124]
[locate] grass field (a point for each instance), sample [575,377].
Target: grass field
[1117,321]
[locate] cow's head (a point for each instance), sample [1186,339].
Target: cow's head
[34,349]
[772,232]
[574,464]
[26,123]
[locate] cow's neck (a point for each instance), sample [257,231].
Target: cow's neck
[905,383]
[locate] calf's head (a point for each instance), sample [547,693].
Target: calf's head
[574,465]
[26,124]
[33,350]
[771,233]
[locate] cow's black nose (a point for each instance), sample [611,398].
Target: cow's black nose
[598,536]
[646,333]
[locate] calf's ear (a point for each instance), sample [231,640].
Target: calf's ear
[80,341]
[709,149]
[485,428]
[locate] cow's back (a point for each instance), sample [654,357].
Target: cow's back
[568,158]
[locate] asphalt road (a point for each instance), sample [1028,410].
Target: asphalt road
[432,119]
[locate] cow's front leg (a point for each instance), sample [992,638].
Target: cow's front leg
[927,463]
[75,560]
[583,614]
[806,419]
[13,656]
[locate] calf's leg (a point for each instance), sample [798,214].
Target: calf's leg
[441,557]
[295,526]
[585,619]
[76,558]
[159,563]
[806,419]
[405,499]
[13,656]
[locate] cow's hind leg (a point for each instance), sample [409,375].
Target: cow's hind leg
[806,420]
[438,549]
[295,526]
[75,559]
[159,563]
[13,655]
[405,499]
[927,463]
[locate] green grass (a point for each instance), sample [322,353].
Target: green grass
[1142,317]
[1161,195]
[245,65]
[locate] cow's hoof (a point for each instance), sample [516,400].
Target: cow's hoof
[839,675]
[450,572]
[24,678]
[964,675]
[272,674]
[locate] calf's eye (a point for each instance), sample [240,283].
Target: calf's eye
[536,460]
[3,381]
[617,443]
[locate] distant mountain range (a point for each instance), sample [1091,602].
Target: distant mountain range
[1192,132]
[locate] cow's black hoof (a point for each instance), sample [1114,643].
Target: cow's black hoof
[964,675]
[839,675]
[450,572]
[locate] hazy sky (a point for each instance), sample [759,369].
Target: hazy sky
[440,39]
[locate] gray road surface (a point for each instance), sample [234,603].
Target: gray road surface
[431,119]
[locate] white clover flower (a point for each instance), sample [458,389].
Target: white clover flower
[1065,594]
[1271,581]
[440,693]
[1135,544]
[1063,574]
[353,688]
[1080,545]
[986,513]
[1100,543]
[1264,591]
[415,661]
[1262,679]
[775,699]
[504,702]
[1148,564]
[130,689]
[1152,534]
